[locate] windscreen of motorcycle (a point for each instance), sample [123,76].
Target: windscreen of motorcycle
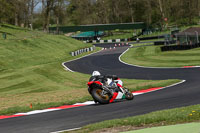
[109,81]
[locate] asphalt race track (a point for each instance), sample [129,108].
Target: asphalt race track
[107,62]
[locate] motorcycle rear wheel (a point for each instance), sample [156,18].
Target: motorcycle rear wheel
[99,97]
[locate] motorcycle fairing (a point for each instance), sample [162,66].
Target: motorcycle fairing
[92,82]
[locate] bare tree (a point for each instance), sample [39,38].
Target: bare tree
[47,7]
[32,4]
[59,12]
[161,11]
[149,12]
[131,4]
[16,4]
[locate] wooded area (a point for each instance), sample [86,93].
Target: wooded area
[43,13]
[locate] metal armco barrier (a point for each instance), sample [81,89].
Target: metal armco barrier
[108,41]
[80,51]
[123,40]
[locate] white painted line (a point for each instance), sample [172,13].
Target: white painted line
[55,109]
[86,103]
[68,69]
[151,67]
[175,84]
[37,111]
[135,94]
[140,93]
[66,130]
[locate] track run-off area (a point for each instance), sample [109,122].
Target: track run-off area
[108,61]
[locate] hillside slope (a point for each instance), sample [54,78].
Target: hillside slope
[31,70]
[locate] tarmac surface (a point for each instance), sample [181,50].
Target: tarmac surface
[107,62]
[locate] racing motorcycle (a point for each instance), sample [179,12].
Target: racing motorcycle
[104,90]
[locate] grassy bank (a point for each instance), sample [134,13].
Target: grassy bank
[31,71]
[153,57]
[158,118]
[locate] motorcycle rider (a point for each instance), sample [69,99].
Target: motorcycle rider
[110,81]
[96,74]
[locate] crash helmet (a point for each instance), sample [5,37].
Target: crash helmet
[96,73]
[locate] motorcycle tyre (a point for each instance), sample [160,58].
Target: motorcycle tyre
[129,96]
[98,98]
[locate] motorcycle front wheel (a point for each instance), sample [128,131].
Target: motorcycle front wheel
[129,95]
[99,96]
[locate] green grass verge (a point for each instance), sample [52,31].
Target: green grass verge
[31,71]
[153,57]
[158,118]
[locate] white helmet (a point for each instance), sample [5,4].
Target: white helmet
[96,73]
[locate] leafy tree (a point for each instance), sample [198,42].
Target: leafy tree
[47,7]
[80,12]
[6,10]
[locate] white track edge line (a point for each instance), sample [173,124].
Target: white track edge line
[67,130]
[152,67]
[165,87]
[56,109]
[175,84]
[68,69]
[37,111]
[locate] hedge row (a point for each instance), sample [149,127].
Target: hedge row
[179,47]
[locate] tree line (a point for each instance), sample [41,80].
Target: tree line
[44,13]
